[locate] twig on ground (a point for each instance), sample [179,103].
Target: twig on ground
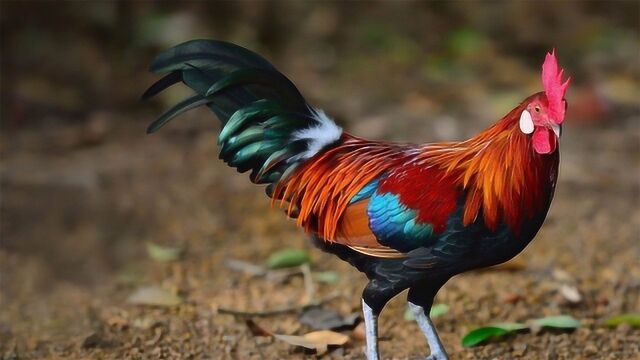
[248,268]
[279,311]
[245,267]
[309,286]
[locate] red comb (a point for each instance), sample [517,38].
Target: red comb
[553,86]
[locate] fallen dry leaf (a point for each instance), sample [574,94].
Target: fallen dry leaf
[358,332]
[315,340]
[562,276]
[571,293]
[327,319]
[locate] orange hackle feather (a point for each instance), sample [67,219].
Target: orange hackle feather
[498,172]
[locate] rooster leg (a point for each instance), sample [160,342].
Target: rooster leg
[371,331]
[429,331]
[374,297]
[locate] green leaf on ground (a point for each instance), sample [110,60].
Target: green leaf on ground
[327,277]
[437,310]
[558,321]
[287,258]
[163,253]
[154,296]
[482,334]
[633,319]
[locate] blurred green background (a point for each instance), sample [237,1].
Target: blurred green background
[63,60]
[83,188]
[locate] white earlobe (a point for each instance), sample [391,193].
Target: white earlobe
[526,123]
[556,130]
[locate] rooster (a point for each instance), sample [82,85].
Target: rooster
[408,216]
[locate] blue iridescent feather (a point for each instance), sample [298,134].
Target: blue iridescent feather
[395,225]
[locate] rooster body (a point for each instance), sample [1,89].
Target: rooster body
[408,216]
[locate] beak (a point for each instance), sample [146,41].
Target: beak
[557,129]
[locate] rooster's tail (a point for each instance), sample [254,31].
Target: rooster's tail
[267,126]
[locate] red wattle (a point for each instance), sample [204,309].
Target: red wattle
[544,140]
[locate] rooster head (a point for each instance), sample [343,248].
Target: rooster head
[543,116]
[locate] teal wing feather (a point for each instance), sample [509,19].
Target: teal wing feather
[396,225]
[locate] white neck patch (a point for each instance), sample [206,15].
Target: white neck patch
[526,122]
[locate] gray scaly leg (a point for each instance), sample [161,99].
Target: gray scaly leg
[371,331]
[429,331]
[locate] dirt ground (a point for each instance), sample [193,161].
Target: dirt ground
[84,191]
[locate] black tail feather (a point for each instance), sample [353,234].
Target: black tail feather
[168,80]
[182,107]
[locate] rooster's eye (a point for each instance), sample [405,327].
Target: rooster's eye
[537,109]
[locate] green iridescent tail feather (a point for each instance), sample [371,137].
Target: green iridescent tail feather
[267,125]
